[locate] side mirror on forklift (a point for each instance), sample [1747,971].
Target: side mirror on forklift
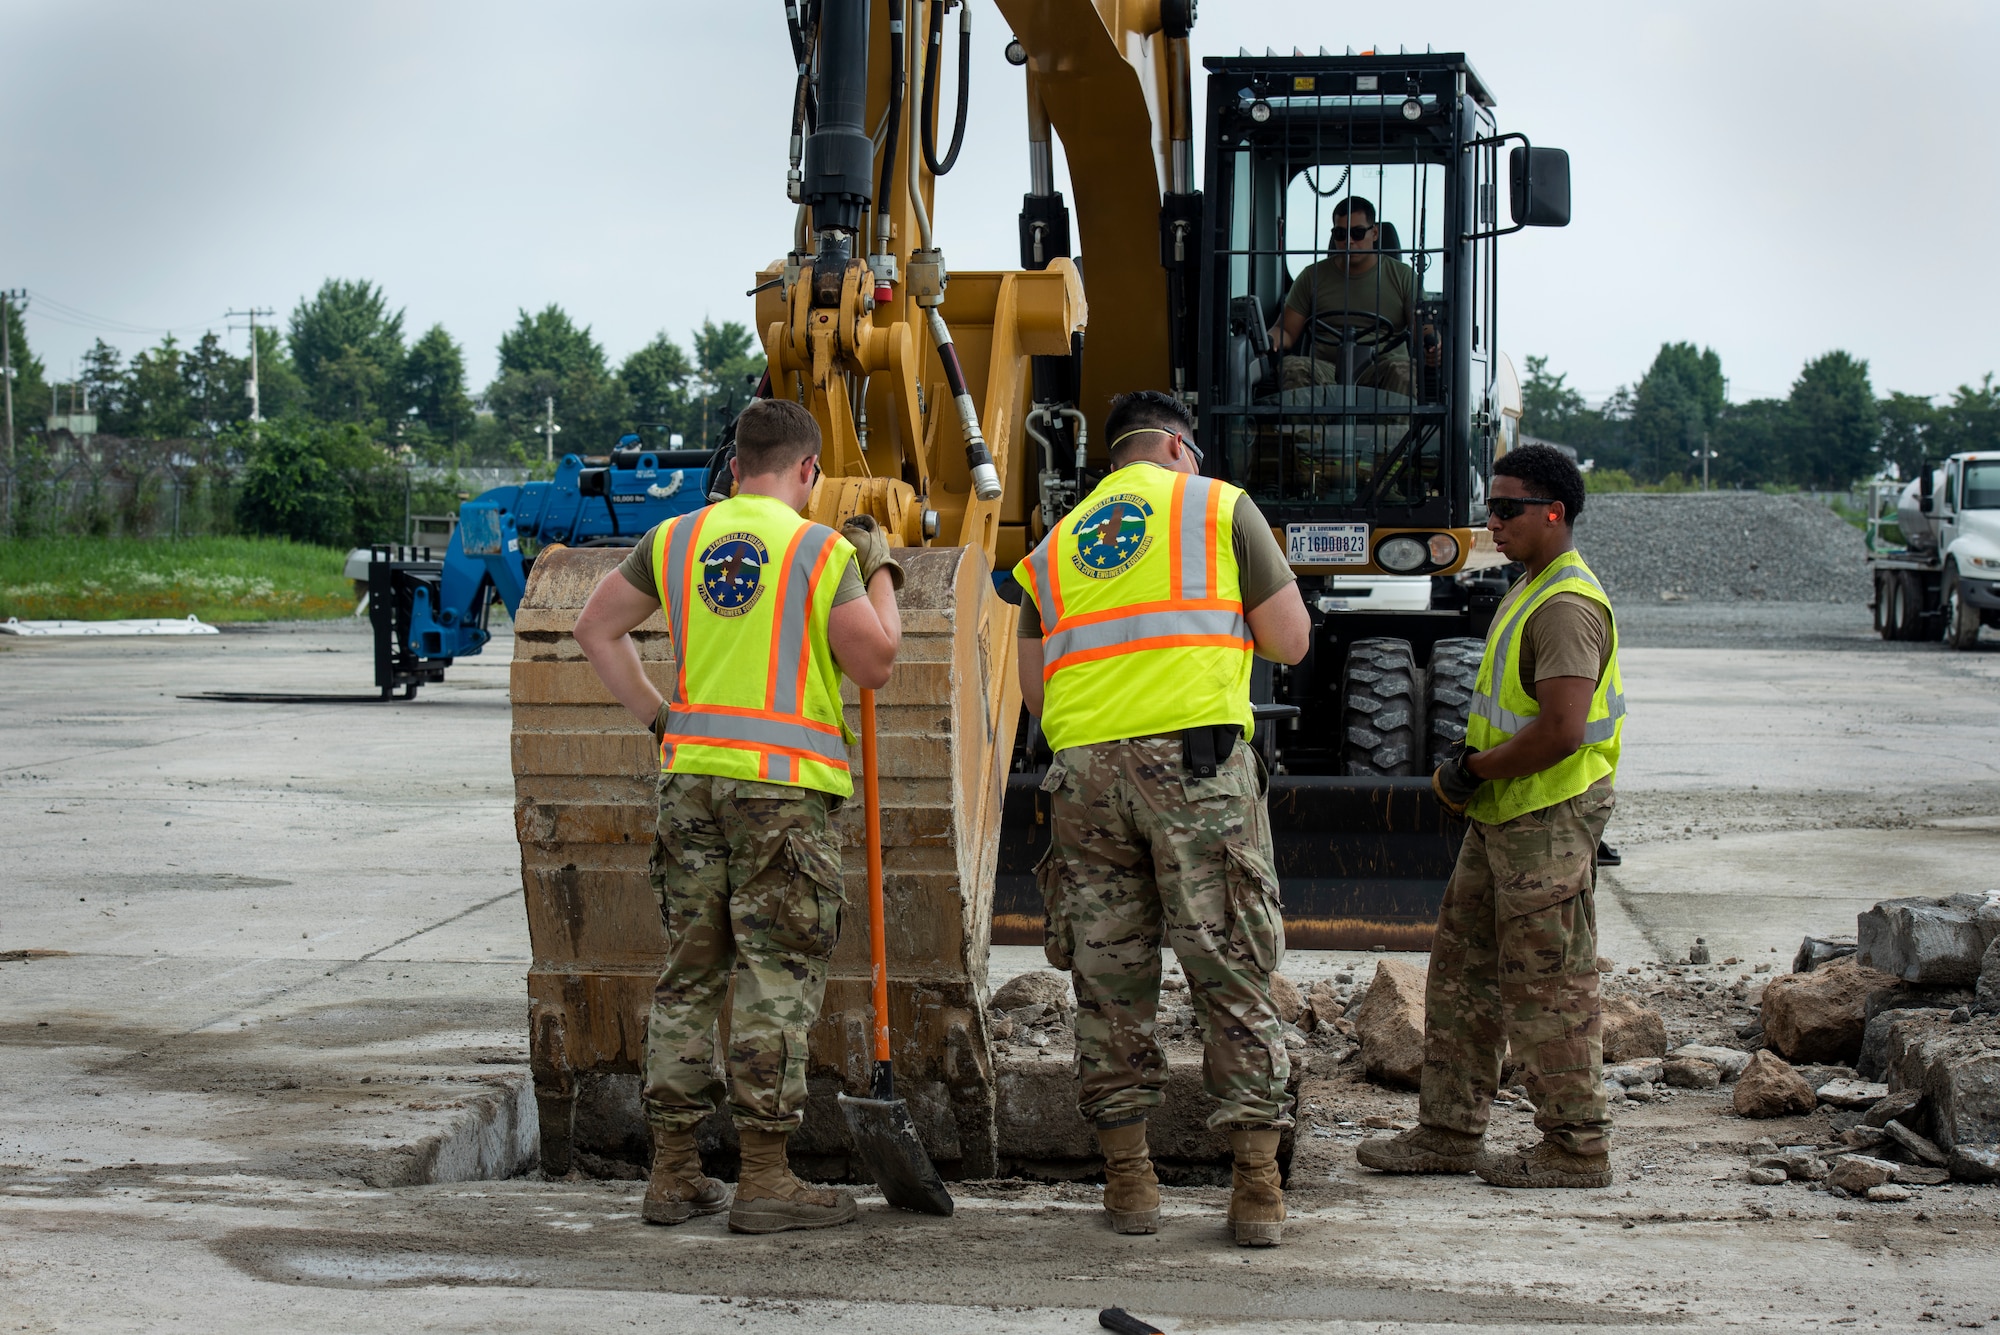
[1538,180]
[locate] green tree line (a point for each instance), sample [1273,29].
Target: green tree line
[343,358]
[345,396]
[1828,433]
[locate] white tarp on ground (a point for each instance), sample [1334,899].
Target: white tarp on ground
[143,626]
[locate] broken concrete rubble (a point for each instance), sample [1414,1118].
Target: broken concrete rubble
[1632,1031]
[1286,998]
[1956,1070]
[1390,1024]
[1931,942]
[1044,986]
[1975,1163]
[1843,1093]
[1856,1173]
[1691,1073]
[1919,1146]
[1817,950]
[1726,1060]
[1820,1016]
[1769,1087]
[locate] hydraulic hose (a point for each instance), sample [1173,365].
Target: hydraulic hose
[884,198]
[929,118]
[985,478]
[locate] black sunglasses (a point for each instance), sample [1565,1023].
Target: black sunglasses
[1353,233]
[1513,507]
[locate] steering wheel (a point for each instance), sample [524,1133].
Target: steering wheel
[1331,327]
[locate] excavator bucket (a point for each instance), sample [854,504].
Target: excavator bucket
[1361,862]
[585,811]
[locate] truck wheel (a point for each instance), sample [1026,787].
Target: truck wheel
[1378,709]
[1448,686]
[1961,622]
[1905,617]
[1884,622]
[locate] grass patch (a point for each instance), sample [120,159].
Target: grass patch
[216,579]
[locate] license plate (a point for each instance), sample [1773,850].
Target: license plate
[1326,544]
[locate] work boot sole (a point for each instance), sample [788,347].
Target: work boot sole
[769,1216]
[1424,1161]
[1134,1221]
[1256,1234]
[679,1212]
[1515,1170]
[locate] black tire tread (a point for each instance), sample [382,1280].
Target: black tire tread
[1448,684]
[1378,712]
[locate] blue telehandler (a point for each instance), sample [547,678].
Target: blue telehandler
[427,610]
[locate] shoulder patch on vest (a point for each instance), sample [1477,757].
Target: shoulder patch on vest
[732,570]
[1112,536]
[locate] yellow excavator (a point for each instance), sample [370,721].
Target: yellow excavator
[957,407]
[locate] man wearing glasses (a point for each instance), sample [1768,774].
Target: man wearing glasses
[1145,607]
[1514,961]
[1356,288]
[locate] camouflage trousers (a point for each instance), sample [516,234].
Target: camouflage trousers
[748,878]
[1515,963]
[1390,373]
[1143,852]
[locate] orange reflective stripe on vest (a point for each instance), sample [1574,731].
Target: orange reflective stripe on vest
[778,738]
[1143,628]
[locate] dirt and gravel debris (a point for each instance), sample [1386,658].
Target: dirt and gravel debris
[1725,546]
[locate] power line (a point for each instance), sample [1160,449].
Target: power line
[63,313]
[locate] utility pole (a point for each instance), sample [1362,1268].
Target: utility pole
[7,301]
[256,406]
[549,427]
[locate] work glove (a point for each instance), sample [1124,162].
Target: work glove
[871,549]
[1454,782]
[659,727]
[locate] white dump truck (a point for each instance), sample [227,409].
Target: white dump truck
[1936,558]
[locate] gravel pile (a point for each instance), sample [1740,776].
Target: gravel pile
[1722,547]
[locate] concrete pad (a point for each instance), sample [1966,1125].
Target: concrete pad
[188,1138]
[1750,894]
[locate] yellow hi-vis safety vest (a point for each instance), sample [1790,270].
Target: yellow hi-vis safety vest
[1501,705]
[1142,610]
[747,585]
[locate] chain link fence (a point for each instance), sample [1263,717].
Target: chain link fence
[105,486]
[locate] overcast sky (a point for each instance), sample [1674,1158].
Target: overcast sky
[1770,179]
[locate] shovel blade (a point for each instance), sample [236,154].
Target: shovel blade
[886,1140]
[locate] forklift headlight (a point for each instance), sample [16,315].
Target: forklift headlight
[1444,549]
[1412,109]
[1260,111]
[1401,554]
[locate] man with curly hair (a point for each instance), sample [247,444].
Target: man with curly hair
[1514,961]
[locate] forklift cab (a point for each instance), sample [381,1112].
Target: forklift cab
[1350,207]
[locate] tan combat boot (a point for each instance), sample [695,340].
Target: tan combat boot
[770,1200]
[1131,1190]
[1256,1205]
[678,1191]
[1546,1165]
[1427,1149]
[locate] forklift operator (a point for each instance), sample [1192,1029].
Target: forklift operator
[1359,287]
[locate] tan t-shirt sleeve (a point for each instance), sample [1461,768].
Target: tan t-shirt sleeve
[637,569]
[1261,566]
[1568,636]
